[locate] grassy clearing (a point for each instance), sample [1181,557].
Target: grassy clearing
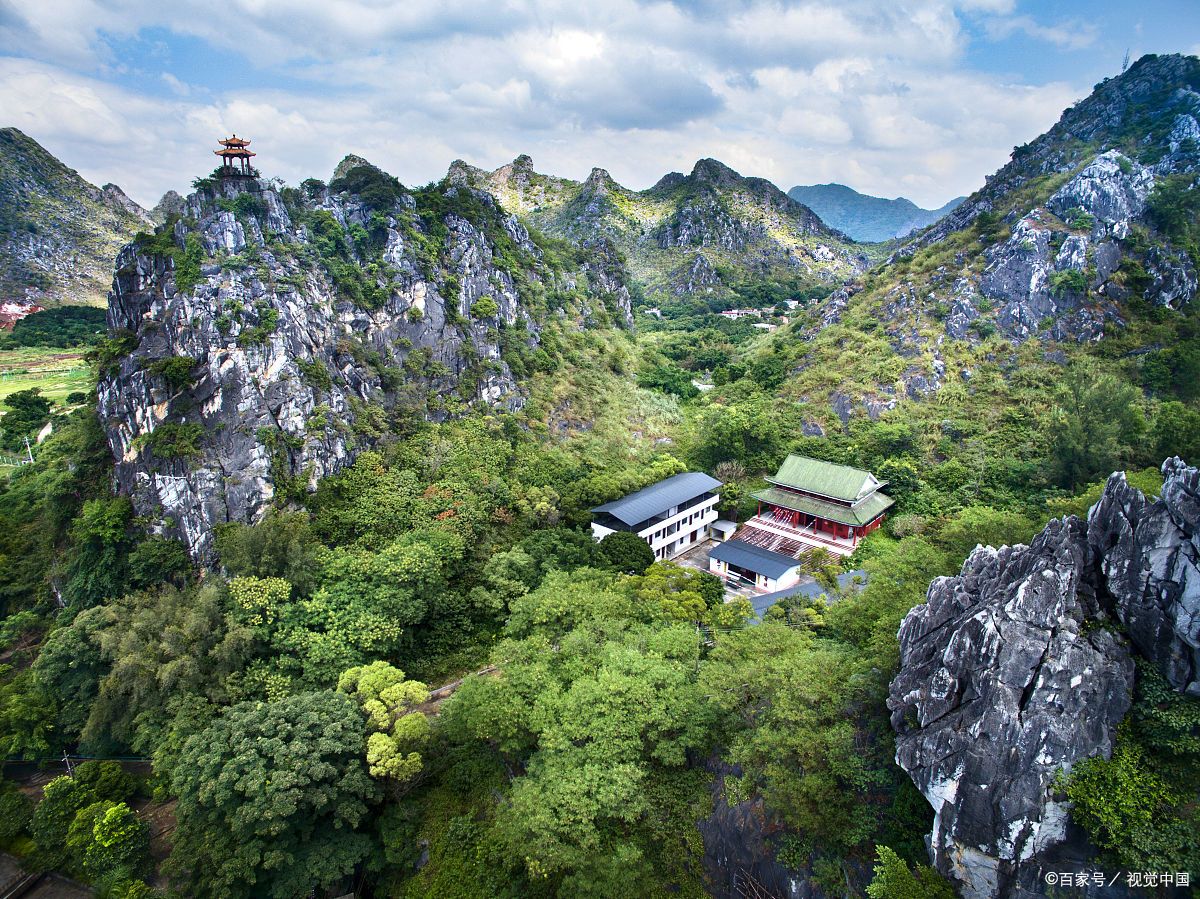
[57,373]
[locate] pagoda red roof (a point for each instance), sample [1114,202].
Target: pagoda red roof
[234,141]
[237,152]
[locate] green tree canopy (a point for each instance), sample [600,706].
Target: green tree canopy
[627,552]
[270,798]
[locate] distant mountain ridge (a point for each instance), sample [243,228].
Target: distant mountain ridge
[59,235]
[867,218]
[709,233]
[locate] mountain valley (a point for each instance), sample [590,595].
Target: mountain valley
[313,547]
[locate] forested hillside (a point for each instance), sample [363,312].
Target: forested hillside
[316,548]
[712,238]
[59,235]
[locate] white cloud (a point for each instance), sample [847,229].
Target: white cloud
[1070,35]
[867,92]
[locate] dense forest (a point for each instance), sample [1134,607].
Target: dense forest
[415,674]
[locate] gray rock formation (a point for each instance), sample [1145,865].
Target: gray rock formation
[1149,557]
[1073,211]
[272,369]
[1109,193]
[114,196]
[170,204]
[1011,672]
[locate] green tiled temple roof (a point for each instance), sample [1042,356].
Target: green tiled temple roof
[858,515]
[826,478]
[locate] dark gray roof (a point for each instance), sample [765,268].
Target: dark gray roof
[658,498]
[753,558]
[811,588]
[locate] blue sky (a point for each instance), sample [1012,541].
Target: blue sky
[921,98]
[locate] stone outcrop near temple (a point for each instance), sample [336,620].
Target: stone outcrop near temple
[1023,665]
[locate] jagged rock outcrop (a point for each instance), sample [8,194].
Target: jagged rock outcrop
[269,336]
[171,203]
[349,163]
[1022,665]
[114,196]
[59,234]
[1149,556]
[1059,262]
[1119,108]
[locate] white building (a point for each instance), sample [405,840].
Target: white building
[672,515]
[740,562]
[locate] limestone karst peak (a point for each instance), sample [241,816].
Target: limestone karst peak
[349,162]
[713,170]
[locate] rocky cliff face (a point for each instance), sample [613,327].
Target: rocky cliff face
[1148,554]
[1066,236]
[266,336]
[1066,264]
[59,234]
[1145,111]
[1022,665]
[698,234]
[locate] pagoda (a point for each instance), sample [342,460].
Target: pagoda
[235,157]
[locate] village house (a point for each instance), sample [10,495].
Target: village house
[735,314]
[672,516]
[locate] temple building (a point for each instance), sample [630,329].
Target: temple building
[811,503]
[672,516]
[235,158]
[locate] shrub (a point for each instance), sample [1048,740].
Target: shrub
[172,441]
[983,327]
[16,811]
[668,379]
[108,780]
[268,320]
[175,370]
[62,799]
[1080,219]
[894,880]
[1070,280]
[484,307]
[315,373]
[1173,205]
[1116,800]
